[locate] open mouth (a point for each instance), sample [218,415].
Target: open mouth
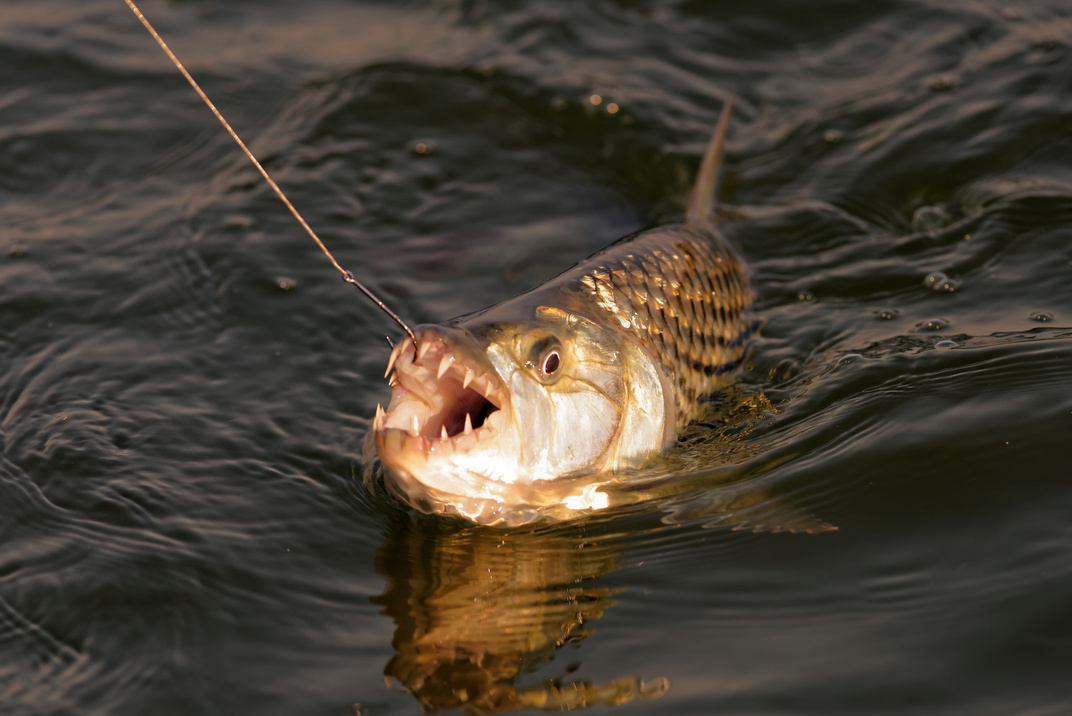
[439,400]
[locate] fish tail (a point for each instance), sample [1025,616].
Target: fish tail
[702,202]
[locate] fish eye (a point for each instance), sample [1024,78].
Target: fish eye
[544,357]
[551,363]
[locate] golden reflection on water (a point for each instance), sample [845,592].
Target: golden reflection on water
[478,609]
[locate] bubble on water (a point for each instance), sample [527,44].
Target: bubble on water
[926,219]
[1042,316]
[238,222]
[849,358]
[1045,51]
[424,148]
[805,296]
[832,136]
[938,281]
[946,344]
[934,324]
[887,314]
[285,284]
[1050,42]
[942,82]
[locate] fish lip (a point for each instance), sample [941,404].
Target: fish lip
[444,383]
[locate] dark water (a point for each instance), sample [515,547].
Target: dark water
[185,384]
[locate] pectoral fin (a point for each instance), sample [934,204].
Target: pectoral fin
[746,510]
[772,516]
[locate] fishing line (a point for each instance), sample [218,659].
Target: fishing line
[346,275]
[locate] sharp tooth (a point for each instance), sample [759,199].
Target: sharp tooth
[468,378]
[425,346]
[416,426]
[377,422]
[390,363]
[443,433]
[443,365]
[393,380]
[468,423]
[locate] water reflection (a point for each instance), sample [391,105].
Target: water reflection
[477,610]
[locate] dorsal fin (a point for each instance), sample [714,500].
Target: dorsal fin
[702,201]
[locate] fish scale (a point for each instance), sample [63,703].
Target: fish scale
[684,293]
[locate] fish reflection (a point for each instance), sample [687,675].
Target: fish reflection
[478,610]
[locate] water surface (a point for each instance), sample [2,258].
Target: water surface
[185,383]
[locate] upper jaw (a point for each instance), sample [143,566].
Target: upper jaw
[446,401]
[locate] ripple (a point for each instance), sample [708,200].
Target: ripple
[197,525]
[926,219]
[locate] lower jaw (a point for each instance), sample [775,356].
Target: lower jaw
[432,501]
[499,504]
[446,489]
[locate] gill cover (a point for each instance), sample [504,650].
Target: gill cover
[584,397]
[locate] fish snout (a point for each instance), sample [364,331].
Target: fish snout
[447,401]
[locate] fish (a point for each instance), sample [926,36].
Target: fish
[531,407]
[523,411]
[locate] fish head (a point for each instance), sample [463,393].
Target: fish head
[490,416]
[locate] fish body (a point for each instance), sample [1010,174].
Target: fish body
[505,415]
